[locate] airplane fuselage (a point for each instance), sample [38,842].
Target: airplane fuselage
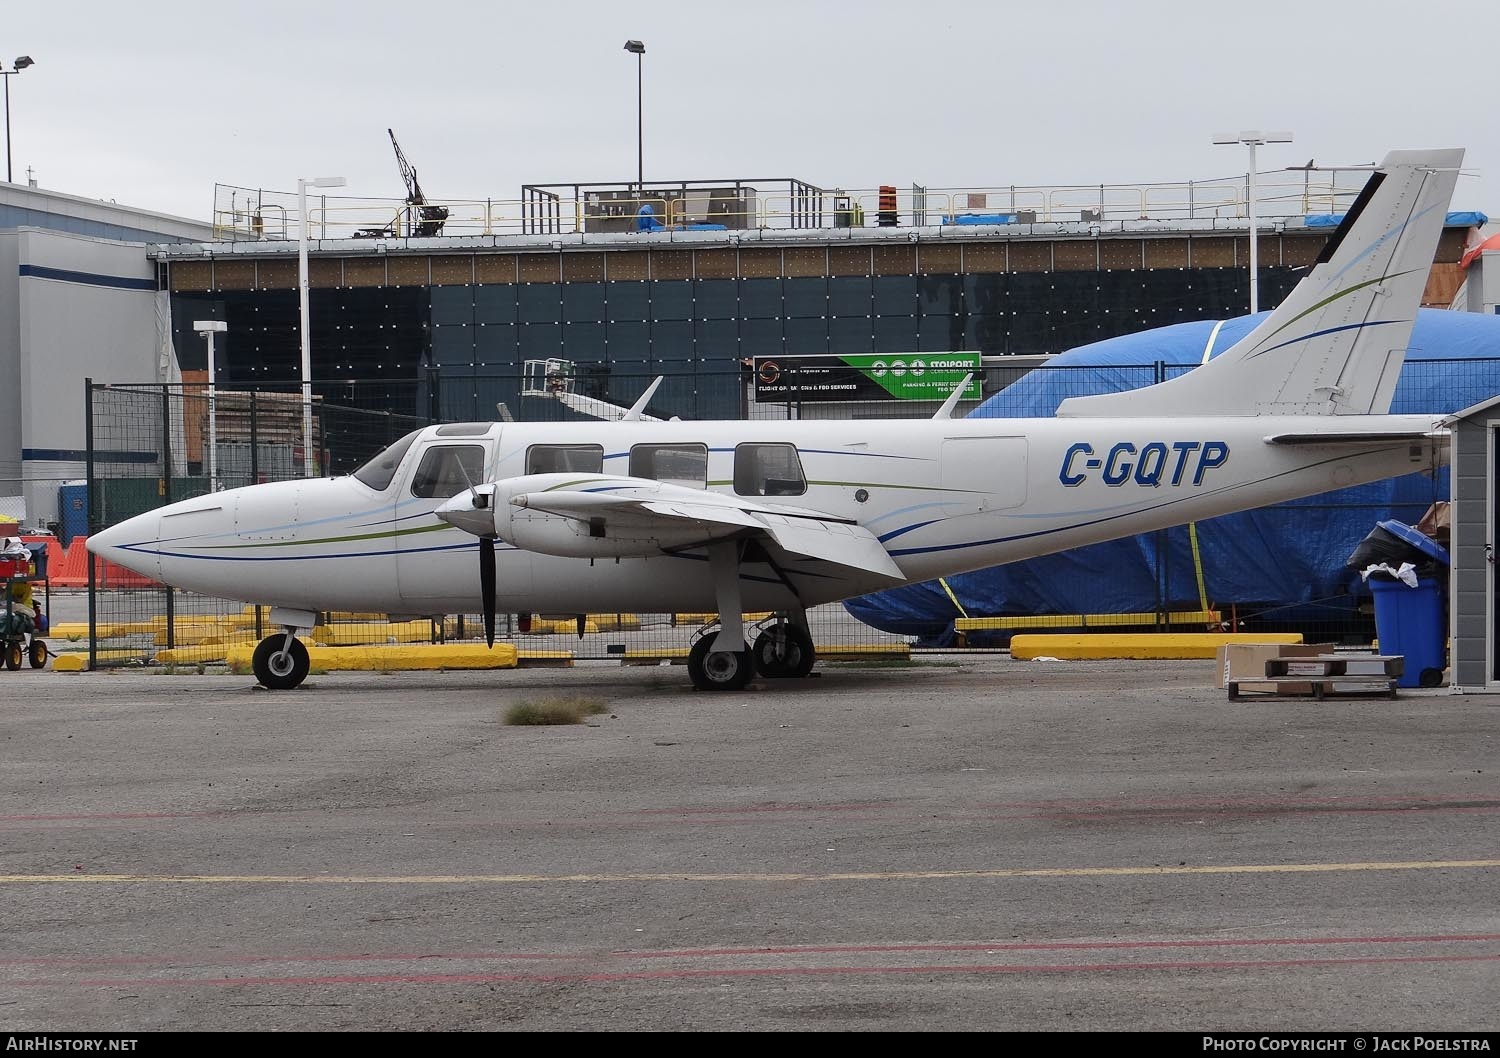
[942,496]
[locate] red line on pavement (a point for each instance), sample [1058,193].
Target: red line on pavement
[767,971]
[694,953]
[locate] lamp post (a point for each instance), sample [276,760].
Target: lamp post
[1253,138]
[209,328]
[22,61]
[639,50]
[302,185]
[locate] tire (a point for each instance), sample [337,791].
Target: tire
[721,670]
[38,653]
[13,655]
[279,670]
[796,655]
[1431,678]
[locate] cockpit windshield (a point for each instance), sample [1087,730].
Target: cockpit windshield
[379,472]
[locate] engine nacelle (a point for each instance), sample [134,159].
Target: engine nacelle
[552,534]
[586,515]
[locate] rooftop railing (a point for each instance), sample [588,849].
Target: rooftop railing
[776,205]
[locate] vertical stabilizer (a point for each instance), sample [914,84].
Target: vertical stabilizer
[1335,345]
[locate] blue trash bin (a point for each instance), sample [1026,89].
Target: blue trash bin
[1412,622]
[1417,618]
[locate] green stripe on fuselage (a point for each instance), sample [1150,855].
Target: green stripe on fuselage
[385,534]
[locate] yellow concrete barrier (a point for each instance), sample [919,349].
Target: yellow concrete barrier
[78,660]
[373,632]
[1085,620]
[541,626]
[864,652]
[202,654]
[1144,646]
[188,633]
[544,659]
[107,630]
[831,652]
[693,620]
[616,622]
[427,656]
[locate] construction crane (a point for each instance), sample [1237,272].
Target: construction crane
[422,220]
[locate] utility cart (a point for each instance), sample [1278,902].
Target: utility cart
[20,636]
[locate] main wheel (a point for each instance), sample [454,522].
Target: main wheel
[38,653]
[277,667]
[784,651]
[13,654]
[720,670]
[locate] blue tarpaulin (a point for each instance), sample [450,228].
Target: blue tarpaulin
[1280,558]
[1460,219]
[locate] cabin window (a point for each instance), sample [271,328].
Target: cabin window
[685,465]
[447,470]
[768,470]
[565,459]
[381,470]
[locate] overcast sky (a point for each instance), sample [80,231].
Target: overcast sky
[151,103]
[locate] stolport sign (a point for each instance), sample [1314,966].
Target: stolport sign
[881,376]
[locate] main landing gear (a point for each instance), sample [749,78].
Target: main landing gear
[280,661]
[722,660]
[783,650]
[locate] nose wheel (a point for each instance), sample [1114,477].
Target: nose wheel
[280,662]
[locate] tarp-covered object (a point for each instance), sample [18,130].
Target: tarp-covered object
[1281,558]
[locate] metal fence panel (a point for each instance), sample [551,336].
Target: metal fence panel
[149,446]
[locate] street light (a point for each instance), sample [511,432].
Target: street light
[639,49]
[20,64]
[209,328]
[302,185]
[1253,138]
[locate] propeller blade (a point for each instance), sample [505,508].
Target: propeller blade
[487,585]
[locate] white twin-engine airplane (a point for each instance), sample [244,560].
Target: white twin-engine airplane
[729,517]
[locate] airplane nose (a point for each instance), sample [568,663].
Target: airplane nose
[473,510]
[132,543]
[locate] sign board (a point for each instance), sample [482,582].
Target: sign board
[861,376]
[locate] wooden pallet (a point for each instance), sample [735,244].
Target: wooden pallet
[1324,676]
[1303,687]
[1330,665]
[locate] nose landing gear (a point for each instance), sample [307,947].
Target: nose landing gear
[280,661]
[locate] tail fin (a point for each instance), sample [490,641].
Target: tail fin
[1335,345]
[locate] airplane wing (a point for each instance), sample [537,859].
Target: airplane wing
[809,534]
[596,515]
[841,543]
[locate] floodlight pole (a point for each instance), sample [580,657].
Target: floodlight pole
[639,50]
[1252,139]
[302,290]
[209,328]
[22,61]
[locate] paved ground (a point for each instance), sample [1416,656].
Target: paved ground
[975,844]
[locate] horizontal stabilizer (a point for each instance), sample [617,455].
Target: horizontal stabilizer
[1350,438]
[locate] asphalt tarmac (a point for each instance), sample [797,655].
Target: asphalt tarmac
[964,843]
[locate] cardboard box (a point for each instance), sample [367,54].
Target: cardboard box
[1247,661]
